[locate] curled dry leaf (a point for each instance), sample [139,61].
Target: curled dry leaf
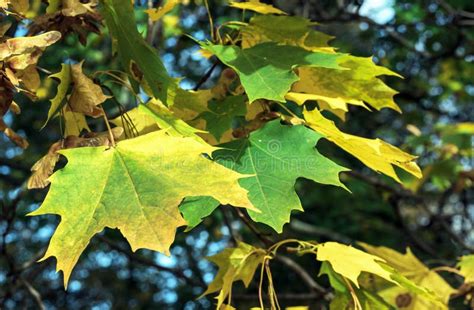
[44,167]
[69,16]
[24,45]
[86,95]
[6,100]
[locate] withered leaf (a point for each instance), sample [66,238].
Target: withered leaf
[86,95]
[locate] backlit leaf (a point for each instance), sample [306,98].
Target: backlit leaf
[194,209]
[277,155]
[222,112]
[355,86]
[350,262]
[256,6]
[135,187]
[86,95]
[374,153]
[156,14]
[414,270]
[235,264]
[289,30]
[266,70]
[466,267]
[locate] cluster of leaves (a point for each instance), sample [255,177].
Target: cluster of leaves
[180,154]
[379,278]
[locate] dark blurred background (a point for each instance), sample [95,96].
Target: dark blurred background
[429,42]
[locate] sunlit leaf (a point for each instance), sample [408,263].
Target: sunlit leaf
[256,6]
[135,187]
[266,70]
[276,156]
[374,153]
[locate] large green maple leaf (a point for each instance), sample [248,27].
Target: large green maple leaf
[266,69]
[277,155]
[136,187]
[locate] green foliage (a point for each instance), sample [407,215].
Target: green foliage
[266,69]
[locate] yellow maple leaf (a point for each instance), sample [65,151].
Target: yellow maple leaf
[136,187]
[156,14]
[351,262]
[414,270]
[374,153]
[235,264]
[357,85]
[256,6]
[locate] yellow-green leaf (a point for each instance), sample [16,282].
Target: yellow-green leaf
[167,121]
[256,6]
[414,270]
[266,69]
[289,30]
[64,77]
[350,262]
[156,14]
[136,187]
[374,153]
[235,264]
[466,268]
[358,84]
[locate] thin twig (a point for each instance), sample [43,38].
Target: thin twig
[264,239]
[304,276]
[34,293]
[206,76]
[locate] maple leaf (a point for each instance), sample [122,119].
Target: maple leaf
[466,268]
[351,262]
[277,155]
[136,122]
[74,123]
[158,13]
[256,6]
[135,187]
[374,153]
[266,69]
[86,95]
[355,86]
[289,30]
[415,271]
[344,298]
[64,77]
[27,45]
[235,264]
[136,56]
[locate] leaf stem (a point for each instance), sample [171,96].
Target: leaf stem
[106,120]
[211,22]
